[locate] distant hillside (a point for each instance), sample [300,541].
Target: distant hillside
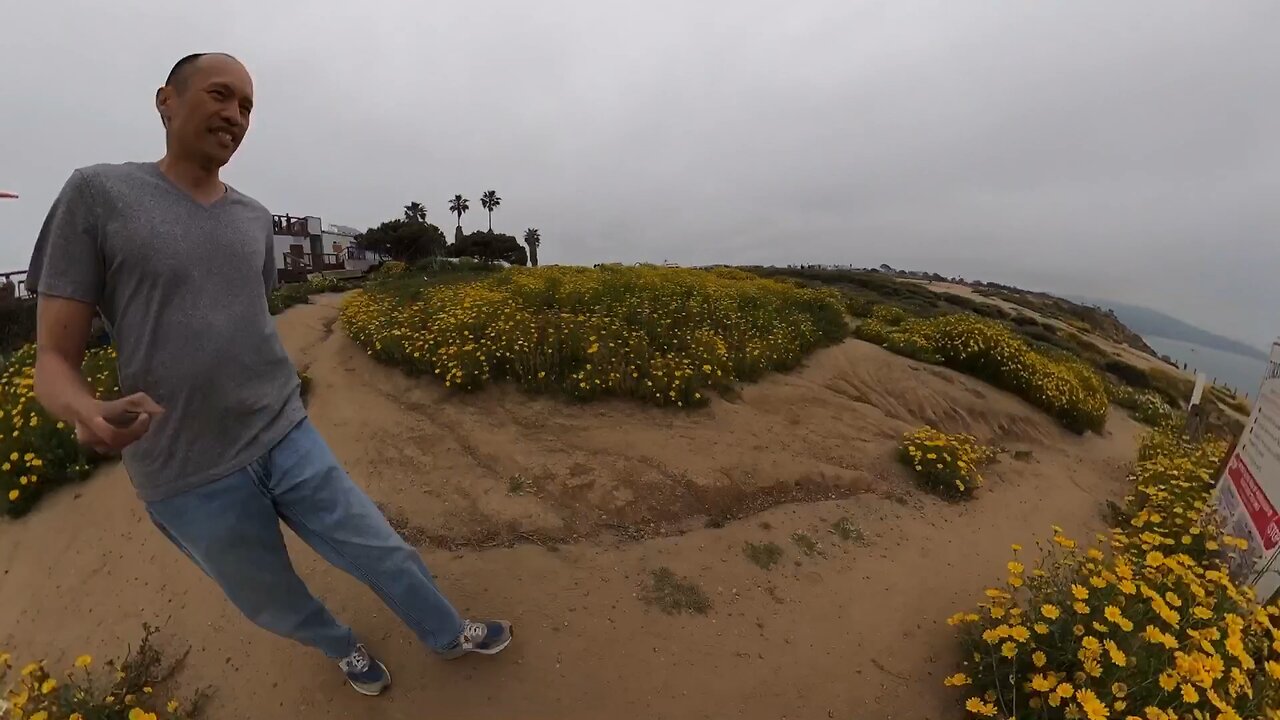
[1146,321]
[1088,318]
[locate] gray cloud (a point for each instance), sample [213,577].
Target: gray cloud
[1125,150]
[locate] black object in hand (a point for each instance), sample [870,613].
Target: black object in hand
[123,420]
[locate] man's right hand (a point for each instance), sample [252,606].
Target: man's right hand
[113,425]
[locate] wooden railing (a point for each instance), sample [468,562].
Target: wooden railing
[306,262]
[289,225]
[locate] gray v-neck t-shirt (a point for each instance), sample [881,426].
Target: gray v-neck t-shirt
[183,289]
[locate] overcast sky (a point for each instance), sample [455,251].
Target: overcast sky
[1113,148]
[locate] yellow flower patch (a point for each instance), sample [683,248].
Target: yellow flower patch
[38,451]
[667,336]
[1162,633]
[1061,385]
[947,464]
[123,692]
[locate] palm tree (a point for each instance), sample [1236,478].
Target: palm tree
[415,212]
[490,201]
[459,205]
[533,239]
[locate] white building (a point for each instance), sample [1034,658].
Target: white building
[304,246]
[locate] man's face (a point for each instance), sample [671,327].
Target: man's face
[207,114]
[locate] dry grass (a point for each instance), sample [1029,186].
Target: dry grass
[673,594]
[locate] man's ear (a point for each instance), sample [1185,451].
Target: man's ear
[163,96]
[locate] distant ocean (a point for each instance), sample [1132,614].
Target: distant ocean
[1242,373]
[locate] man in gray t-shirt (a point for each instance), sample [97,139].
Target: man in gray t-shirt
[210,425]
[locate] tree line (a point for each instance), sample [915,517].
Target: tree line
[411,238]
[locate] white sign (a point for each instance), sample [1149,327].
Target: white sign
[1198,392]
[1249,490]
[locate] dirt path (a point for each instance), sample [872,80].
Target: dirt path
[855,634]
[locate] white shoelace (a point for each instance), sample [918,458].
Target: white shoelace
[358,660]
[473,633]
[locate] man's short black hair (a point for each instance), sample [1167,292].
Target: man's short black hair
[178,75]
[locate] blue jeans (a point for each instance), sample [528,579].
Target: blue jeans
[230,528]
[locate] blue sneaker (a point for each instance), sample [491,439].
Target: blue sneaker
[366,674]
[487,638]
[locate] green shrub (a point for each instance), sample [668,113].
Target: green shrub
[285,297]
[873,331]
[913,346]
[993,312]
[860,307]
[17,324]
[673,594]
[889,315]
[390,269]
[1134,377]
[1037,334]
[1175,388]
[37,451]
[1147,406]
[764,555]
[324,284]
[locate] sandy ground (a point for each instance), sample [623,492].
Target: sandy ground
[615,490]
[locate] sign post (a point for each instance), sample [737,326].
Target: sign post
[1249,489]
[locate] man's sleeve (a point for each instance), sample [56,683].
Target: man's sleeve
[68,261]
[269,265]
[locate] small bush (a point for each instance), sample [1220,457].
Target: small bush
[390,268]
[324,284]
[37,451]
[286,297]
[1147,406]
[1037,334]
[993,312]
[764,555]
[1085,348]
[806,543]
[1175,388]
[945,464]
[673,594]
[873,331]
[1025,321]
[849,531]
[913,346]
[889,315]
[1134,377]
[124,690]
[860,307]
[518,484]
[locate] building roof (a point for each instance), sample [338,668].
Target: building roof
[335,229]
